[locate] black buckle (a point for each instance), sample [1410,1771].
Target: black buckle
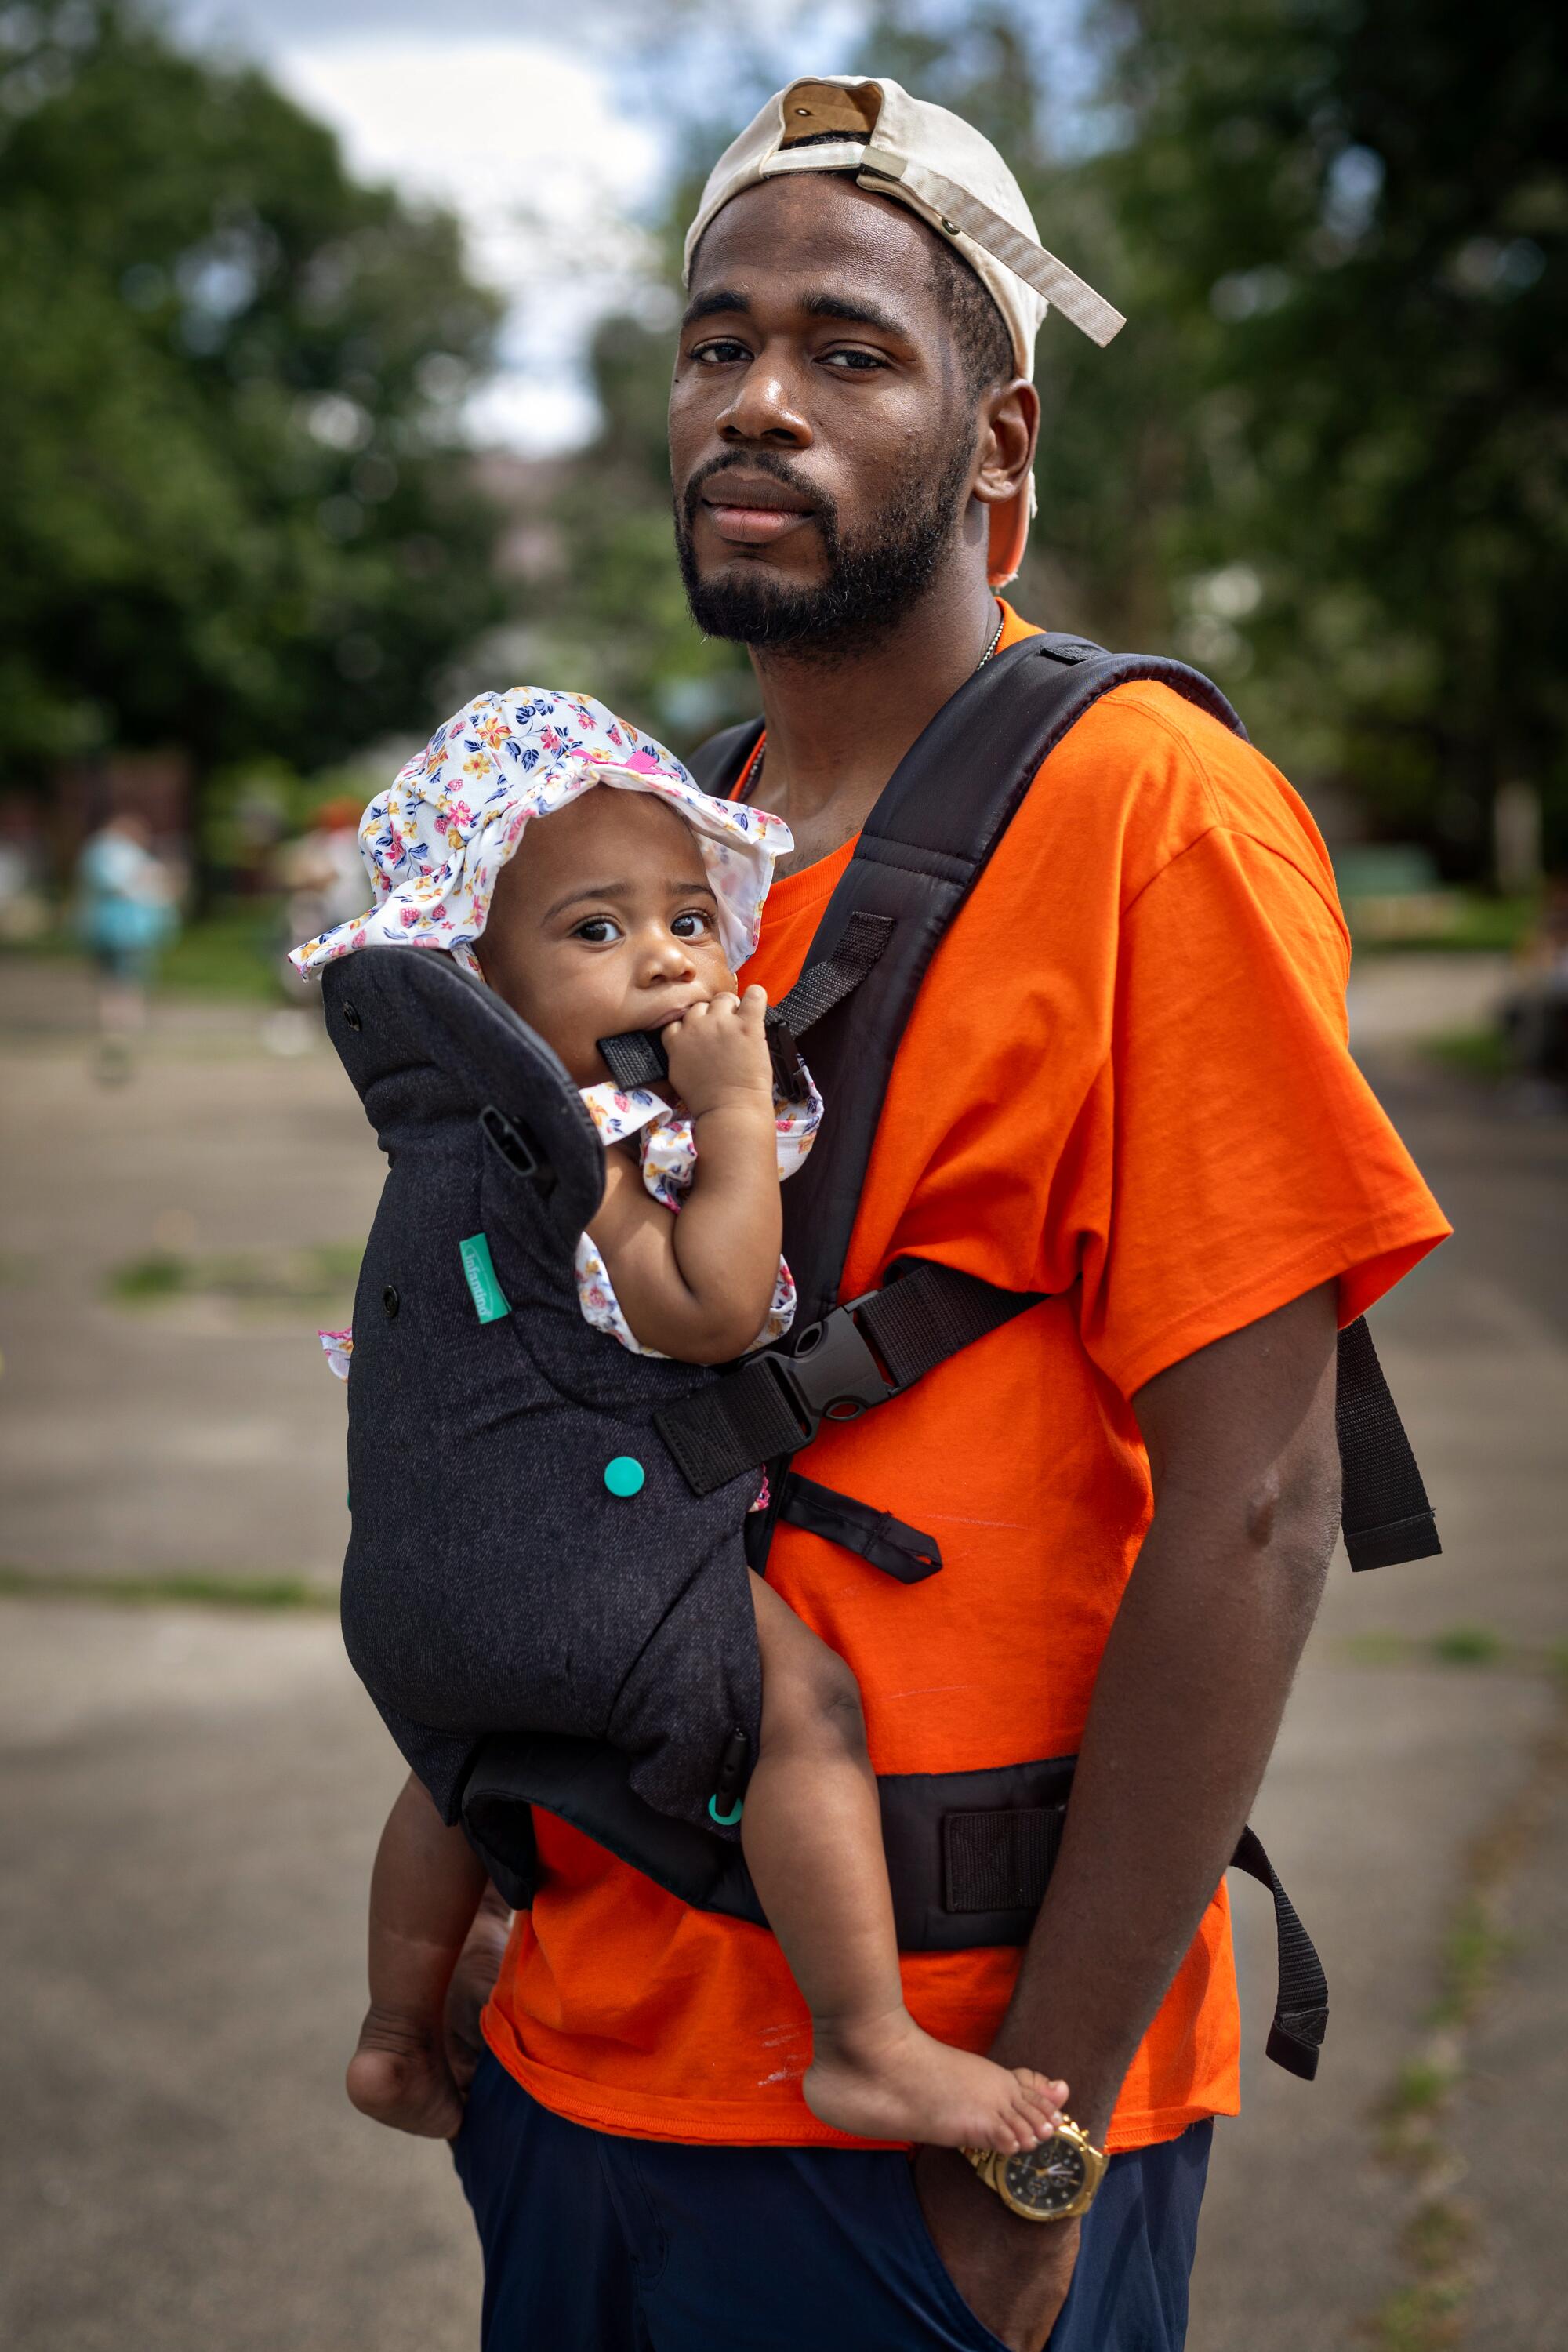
[832,1374]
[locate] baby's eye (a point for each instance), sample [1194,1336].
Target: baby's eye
[599,931]
[697,916]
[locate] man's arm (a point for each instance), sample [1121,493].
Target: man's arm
[1186,1710]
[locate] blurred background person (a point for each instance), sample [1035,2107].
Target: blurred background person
[125,914]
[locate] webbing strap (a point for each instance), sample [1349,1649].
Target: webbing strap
[635,1057]
[856,1357]
[899,1550]
[822,985]
[1302,2001]
[1386,1515]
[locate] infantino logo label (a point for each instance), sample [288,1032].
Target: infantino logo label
[489,1301]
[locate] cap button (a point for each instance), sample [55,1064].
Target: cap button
[625,1476]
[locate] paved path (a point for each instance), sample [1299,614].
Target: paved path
[190,1796]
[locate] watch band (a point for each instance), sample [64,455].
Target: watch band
[1055,2181]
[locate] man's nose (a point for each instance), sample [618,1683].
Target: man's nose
[765,407]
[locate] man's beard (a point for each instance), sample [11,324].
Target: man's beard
[868,585]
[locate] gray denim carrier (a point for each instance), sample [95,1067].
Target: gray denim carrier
[494,1582]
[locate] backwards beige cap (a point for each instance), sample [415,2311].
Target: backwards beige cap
[941,168]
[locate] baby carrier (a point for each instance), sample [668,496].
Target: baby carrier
[969,1854]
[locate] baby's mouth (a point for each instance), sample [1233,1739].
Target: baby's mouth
[673,1012]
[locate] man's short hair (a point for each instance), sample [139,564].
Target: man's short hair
[979,330]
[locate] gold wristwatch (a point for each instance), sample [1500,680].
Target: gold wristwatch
[1054,2182]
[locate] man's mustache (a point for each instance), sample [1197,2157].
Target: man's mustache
[756,461]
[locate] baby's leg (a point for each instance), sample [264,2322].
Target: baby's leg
[424,1892]
[811,1834]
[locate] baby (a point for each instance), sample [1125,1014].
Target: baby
[606,917]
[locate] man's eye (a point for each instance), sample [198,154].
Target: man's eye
[721,353]
[599,931]
[695,916]
[854,363]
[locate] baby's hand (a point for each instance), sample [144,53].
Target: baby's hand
[718,1054]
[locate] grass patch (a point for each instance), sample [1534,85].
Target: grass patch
[1379,1649]
[1472,1053]
[234,952]
[1427,2317]
[1467,1645]
[1420,2086]
[1456,1645]
[202,1589]
[314,1277]
[1474,1950]
[1476,922]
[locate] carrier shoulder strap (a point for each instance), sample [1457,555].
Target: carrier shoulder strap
[920,852]
[924,845]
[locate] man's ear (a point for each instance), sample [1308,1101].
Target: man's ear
[1009,428]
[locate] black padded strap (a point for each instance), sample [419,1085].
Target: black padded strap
[1386,1517]
[921,1317]
[876,1535]
[855,1357]
[635,1057]
[970,1855]
[1302,2001]
[822,985]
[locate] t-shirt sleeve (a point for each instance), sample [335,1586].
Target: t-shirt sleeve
[1243,1157]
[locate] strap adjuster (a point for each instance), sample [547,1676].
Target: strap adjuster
[832,1374]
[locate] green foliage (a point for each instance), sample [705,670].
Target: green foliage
[1324,460]
[194,1589]
[1360,214]
[315,1276]
[1467,1645]
[233,514]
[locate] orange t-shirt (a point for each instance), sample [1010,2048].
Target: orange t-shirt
[1126,1083]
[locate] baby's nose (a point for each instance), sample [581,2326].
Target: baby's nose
[668,957]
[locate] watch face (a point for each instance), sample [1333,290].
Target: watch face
[1049,2177]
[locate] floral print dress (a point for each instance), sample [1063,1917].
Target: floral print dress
[667,1149]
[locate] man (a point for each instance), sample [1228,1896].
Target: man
[1125,1084]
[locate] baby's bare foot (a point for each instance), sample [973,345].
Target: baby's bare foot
[399,2075]
[890,2081]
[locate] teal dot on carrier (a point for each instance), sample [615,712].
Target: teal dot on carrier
[625,1476]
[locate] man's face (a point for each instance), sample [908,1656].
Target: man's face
[822,436]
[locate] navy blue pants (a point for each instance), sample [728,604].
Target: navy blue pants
[598,2245]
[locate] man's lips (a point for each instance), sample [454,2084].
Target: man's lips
[753,514]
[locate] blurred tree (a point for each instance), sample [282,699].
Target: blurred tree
[233,511]
[1369,205]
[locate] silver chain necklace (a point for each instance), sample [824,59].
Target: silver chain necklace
[754,778]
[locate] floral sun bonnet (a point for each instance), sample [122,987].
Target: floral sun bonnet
[434,842]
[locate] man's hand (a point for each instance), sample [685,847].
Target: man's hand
[473,1979]
[1012,2274]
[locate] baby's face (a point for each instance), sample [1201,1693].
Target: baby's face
[603,920]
